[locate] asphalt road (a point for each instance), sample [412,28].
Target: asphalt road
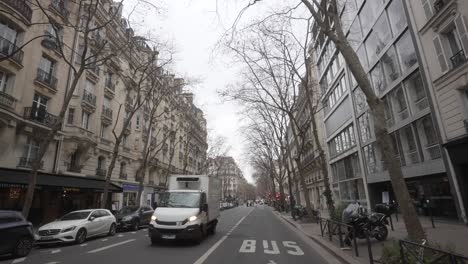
[244,235]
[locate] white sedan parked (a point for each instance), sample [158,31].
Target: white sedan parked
[77,226]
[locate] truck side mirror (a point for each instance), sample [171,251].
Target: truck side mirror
[205,208]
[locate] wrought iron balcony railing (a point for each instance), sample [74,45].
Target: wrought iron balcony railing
[21,6]
[89,98]
[7,101]
[107,112]
[39,115]
[46,78]
[458,59]
[8,49]
[59,6]
[26,162]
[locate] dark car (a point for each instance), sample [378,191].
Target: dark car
[16,234]
[132,217]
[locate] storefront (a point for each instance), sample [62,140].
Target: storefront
[54,196]
[427,191]
[458,153]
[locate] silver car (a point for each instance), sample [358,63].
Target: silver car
[77,226]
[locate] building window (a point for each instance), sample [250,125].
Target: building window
[103,132]
[355,34]
[378,80]
[39,107]
[71,116]
[409,145]
[138,122]
[416,92]
[4,81]
[388,111]
[30,150]
[85,119]
[101,163]
[365,127]
[399,103]
[456,55]
[406,52]
[396,16]
[391,66]
[335,95]
[368,14]
[342,142]
[51,33]
[429,140]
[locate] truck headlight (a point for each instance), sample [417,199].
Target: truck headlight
[192,218]
[68,229]
[153,218]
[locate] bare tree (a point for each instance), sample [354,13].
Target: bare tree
[327,21]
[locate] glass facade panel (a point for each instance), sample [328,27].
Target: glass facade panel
[408,142]
[390,66]
[369,13]
[397,16]
[360,100]
[365,128]
[361,52]
[355,34]
[378,80]
[416,93]
[399,103]
[406,52]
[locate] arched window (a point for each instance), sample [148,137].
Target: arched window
[123,170]
[101,162]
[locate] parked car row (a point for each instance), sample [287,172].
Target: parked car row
[17,236]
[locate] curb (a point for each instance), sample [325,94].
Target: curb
[340,256]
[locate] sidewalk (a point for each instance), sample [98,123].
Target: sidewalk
[445,233]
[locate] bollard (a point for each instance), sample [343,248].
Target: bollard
[356,250]
[340,236]
[391,222]
[369,248]
[429,206]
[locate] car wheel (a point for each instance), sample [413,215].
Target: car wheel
[23,247]
[212,229]
[136,225]
[80,236]
[112,230]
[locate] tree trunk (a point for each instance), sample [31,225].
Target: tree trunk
[140,175]
[309,206]
[281,190]
[110,169]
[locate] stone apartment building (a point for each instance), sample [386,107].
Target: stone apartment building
[440,32]
[381,32]
[33,84]
[226,168]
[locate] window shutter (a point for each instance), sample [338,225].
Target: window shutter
[462,32]
[427,8]
[440,54]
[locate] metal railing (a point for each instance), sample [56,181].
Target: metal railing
[101,172]
[340,230]
[21,6]
[25,162]
[39,115]
[434,151]
[411,252]
[422,104]
[89,98]
[7,101]
[110,85]
[458,58]
[59,6]
[107,112]
[7,48]
[46,78]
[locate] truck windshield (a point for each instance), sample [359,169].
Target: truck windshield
[179,200]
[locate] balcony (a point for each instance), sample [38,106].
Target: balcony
[106,113]
[7,101]
[110,85]
[7,49]
[129,126]
[123,175]
[25,162]
[458,59]
[47,79]
[434,152]
[101,172]
[59,6]
[439,4]
[40,116]
[89,99]
[21,7]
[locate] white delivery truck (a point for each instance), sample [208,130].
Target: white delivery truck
[188,210]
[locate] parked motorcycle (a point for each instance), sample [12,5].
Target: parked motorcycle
[299,211]
[373,224]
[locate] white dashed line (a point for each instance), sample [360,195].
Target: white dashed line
[120,235]
[55,251]
[133,232]
[111,246]
[18,260]
[103,240]
[53,262]
[83,245]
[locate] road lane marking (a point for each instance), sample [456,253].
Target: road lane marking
[248,246]
[274,247]
[53,262]
[133,232]
[203,258]
[104,240]
[18,260]
[271,262]
[111,246]
[55,251]
[120,235]
[83,245]
[297,250]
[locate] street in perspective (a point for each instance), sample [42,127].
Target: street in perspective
[247,131]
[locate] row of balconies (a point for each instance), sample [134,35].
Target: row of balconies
[21,7]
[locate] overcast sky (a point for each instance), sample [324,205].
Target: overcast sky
[194,27]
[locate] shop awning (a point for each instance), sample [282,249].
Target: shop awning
[21,177]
